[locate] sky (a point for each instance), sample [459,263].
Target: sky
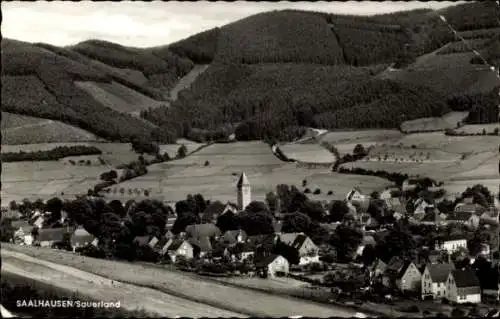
[146,24]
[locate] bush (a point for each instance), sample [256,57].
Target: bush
[330,192]
[457,312]
[307,191]
[51,155]
[317,191]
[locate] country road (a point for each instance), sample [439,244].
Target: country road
[99,288]
[239,300]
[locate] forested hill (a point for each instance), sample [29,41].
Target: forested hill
[273,73]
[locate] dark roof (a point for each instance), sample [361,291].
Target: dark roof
[460,216]
[231,236]
[215,208]
[277,225]
[51,234]
[493,282]
[266,260]
[81,236]
[255,241]
[176,243]
[161,243]
[469,208]
[202,230]
[440,272]
[465,278]
[299,241]
[142,240]
[203,243]
[403,269]
[243,180]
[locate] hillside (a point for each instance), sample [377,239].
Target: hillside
[267,76]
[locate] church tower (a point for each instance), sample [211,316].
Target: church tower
[244,192]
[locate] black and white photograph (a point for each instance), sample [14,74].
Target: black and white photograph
[213,159]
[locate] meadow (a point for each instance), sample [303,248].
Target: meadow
[20,129]
[174,180]
[459,161]
[447,121]
[478,128]
[194,289]
[131,297]
[309,153]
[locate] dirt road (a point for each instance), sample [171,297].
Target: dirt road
[99,288]
[236,299]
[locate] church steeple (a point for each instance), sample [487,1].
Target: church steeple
[244,191]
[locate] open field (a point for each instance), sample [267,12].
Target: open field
[487,169]
[361,136]
[186,81]
[451,144]
[255,303]
[47,179]
[118,97]
[172,149]
[447,121]
[131,297]
[478,128]
[311,153]
[174,180]
[19,129]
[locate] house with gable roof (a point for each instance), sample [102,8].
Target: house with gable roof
[469,219]
[49,236]
[146,240]
[216,209]
[307,249]
[463,286]
[402,274]
[81,238]
[180,247]
[201,237]
[270,265]
[421,207]
[434,280]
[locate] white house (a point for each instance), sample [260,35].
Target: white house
[463,286]
[451,244]
[434,280]
[272,264]
[421,206]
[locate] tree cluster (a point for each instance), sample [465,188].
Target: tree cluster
[397,178]
[50,155]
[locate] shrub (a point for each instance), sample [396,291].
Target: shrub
[330,192]
[317,191]
[457,312]
[307,191]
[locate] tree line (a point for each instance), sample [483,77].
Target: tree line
[50,155]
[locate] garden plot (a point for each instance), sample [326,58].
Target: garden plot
[310,153]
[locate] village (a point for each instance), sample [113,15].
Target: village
[388,248]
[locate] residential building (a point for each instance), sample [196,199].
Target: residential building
[463,286]
[47,237]
[244,192]
[402,274]
[270,265]
[378,268]
[231,237]
[80,238]
[162,245]
[393,204]
[367,240]
[491,288]
[469,219]
[421,207]
[170,222]
[146,240]
[307,249]
[451,244]
[180,247]
[201,237]
[39,221]
[216,209]
[434,280]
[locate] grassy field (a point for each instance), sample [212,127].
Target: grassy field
[19,129]
[186,81]
[118,97]
[361,136]
[241,300]
[47,179]
[311,153]
[447,121]
[456,160]
[478,128]
[174,180]
[131,297]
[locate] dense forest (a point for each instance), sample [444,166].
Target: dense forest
[271,75]
[50,155]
